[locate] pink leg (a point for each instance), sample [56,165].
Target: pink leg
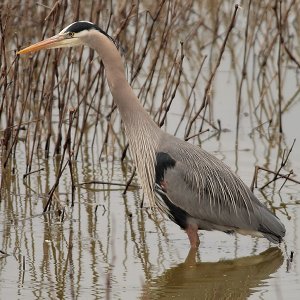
[192,232]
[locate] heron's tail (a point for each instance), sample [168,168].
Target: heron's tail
[271,227]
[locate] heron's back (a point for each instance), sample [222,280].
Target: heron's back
[197,187]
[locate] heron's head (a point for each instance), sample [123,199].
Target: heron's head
[73,35]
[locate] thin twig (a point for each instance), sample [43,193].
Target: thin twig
[213,74]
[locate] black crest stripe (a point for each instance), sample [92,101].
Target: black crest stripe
[80,26]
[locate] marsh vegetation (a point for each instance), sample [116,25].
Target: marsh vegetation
[221,76]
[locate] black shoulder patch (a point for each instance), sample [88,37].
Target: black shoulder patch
[163,162]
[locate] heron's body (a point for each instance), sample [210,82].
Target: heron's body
[194,188]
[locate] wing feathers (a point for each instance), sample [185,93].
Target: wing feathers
[208,191]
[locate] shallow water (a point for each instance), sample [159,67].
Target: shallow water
[120,251]
[106,246]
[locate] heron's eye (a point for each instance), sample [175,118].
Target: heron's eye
[70,35]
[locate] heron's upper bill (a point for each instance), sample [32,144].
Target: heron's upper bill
[57,41]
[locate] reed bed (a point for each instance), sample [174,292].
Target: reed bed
[51,101]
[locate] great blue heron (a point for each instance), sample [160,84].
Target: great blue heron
[195,189]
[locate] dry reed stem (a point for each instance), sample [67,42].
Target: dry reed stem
[37,92]
[277,174]
[212,76]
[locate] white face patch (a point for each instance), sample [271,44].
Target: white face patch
[65,29]
[78,33]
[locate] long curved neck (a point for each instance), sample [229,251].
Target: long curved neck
[124,97]
[142,132]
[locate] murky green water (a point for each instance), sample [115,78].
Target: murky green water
[106,246]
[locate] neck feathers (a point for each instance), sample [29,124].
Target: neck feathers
[142,132]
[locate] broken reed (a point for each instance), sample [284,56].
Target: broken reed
[172,51]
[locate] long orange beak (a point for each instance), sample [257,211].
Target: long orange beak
[57,41]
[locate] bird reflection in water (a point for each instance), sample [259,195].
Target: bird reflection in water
[227,279]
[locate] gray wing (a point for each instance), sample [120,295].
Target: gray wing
[194,184]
